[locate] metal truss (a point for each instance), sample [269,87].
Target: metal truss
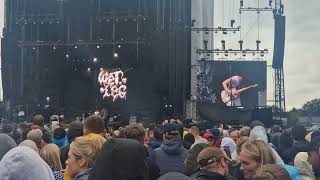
[76,43]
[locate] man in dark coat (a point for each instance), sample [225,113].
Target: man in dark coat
[213,164]
[171,154]
[300,144]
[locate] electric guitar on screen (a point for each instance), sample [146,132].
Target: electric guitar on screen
[235,93]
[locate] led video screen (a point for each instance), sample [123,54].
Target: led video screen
[232,83]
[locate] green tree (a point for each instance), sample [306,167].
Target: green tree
[311,107]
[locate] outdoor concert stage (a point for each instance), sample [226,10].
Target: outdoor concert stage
[54,51]
[132,57]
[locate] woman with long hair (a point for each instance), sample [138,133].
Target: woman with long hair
[50,153]
[82,156]
[253,155]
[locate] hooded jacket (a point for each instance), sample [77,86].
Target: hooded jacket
[174,176]
[6,144]
[260,133]
[84,175]
[170,156]
[301,161]
[298,146]
[121,159]
[208,175]
[23,163]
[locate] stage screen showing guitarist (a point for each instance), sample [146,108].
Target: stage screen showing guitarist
[231,83]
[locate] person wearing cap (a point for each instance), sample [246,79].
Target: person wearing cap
[171,154]
[213,164]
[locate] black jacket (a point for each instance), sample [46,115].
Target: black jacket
[207,175]
[290,154]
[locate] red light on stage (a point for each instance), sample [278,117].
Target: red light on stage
[113,84]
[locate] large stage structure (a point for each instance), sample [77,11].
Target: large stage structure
[52,51]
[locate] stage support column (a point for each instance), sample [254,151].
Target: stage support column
[22,51]
[202,13]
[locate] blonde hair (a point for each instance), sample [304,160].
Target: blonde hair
[245,131]
[36,136]
[50,153]
[259,151]
[87,148]
[241,141]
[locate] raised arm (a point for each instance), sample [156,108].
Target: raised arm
[225,84]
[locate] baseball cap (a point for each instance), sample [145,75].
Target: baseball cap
[211,155]
[207,135]
[171,129]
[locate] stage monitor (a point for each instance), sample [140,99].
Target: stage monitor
[231,83]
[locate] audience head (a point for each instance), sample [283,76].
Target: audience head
[50,153]
[228,143]
[298,132]
[75,130]
[272,172]
[174,176]
[22,163]
[214,160]
[36,136]
[259,133]
[285,140]
[276,129]
[245,131]
[60,138]
[23,130]
[38,120]
[253,155]
[82,155]
[6,144]
[241,141]
[191,163]
[135,131]
[216,133]
[31,144]
[123,159]
[195,131]
[188,140]
[314,156]
[171,131]
[93,124]
[235,134]
[301,162]
[256,123]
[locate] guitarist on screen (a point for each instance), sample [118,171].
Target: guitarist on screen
[231,94]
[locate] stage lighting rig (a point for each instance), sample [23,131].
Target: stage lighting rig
[22,19]
[121,16]
[216,30]
[233,51]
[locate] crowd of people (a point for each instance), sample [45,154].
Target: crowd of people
[93,149]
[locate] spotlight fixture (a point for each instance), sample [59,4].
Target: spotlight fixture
[89,70]
[116,55]
[75,47]
[119,46]
[98,46]
[95,60]
[54,47]
[67,55]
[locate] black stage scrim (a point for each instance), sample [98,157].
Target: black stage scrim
[247,79]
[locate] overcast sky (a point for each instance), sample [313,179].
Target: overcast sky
[301,67]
